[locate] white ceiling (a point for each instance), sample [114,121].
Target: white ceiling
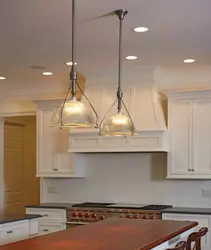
[39,33]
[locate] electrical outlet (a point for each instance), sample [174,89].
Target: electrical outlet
[206,193]
[51,190]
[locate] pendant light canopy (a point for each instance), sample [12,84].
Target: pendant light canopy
[120,124]
[74,113]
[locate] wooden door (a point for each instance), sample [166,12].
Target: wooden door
[22,187]
[13,168]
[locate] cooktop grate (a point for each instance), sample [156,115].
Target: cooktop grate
[92,204]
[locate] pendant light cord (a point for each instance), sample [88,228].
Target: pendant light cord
[73,74]
[121,15]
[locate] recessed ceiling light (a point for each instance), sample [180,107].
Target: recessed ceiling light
[70,63]
[2,78]
[189,60]
[47,73]
[140,29]
[131,57]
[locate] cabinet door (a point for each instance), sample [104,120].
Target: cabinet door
[202,137]
[180,126]
[203,221]
[52,144]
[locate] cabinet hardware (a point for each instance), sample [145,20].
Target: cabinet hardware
[55,169]
[45,230]
[10,231]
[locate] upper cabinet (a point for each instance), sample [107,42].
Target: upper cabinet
[189,123]
[53,159]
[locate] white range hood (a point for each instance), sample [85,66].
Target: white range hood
[146,109]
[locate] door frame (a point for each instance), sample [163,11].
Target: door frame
[2,116]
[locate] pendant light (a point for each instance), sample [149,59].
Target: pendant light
[120,124]
[74,113]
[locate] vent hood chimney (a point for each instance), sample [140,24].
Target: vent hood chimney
[145,105]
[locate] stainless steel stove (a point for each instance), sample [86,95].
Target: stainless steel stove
[88,212]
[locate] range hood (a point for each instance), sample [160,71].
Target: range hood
[145,105]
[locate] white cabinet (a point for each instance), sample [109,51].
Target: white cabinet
[52,220]
[189,123]
[202,137]
[203,221]
[53,159]
[51,227]
[14,231]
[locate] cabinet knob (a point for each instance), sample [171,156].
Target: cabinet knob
[9,231]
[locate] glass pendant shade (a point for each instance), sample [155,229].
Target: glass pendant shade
[73,113]
[118,124]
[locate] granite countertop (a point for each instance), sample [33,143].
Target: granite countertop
[52,205]
[187,210]
[13,218]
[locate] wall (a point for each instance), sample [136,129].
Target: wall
[134,178]
[1,164]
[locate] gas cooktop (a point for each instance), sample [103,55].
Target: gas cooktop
[93,204]
[121,206]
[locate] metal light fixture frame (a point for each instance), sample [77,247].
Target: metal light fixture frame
[119,101]
[73,80]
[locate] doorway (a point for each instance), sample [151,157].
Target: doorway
[21,186]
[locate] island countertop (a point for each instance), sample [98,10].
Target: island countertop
[113,234]
[4,219]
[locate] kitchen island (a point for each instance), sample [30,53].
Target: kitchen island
[112,234]
[14,228]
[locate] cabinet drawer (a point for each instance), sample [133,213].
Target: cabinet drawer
[49,214]
[50,228]
[13,232]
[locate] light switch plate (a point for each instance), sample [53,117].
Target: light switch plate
[51,190]
[206,193]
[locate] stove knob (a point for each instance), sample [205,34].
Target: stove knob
[102,217]
[87,215]
[152,217]
[129,216]
[80,215]
[145,217]
[122,215]
[135,217]
[74,214]
[94,216]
